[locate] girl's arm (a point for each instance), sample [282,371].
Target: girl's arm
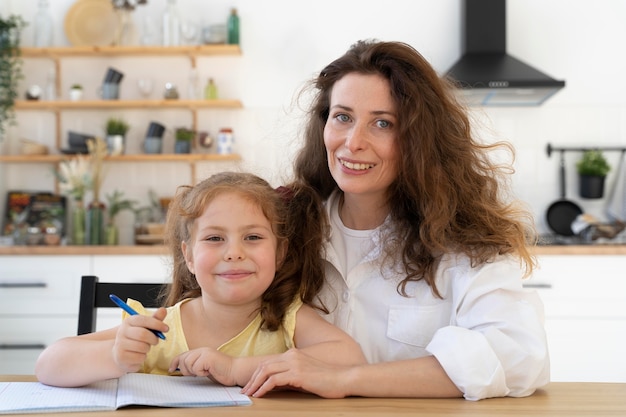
[314,336]
[80,360]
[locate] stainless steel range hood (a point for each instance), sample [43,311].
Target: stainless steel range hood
[486,74]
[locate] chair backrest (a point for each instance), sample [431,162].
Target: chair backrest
[95,294]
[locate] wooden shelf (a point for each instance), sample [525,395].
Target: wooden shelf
[182,157]
[162,250]
[82,51]
[54,105]
[84,250]
[191,52]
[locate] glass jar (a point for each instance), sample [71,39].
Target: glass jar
[171,24]
[43,25]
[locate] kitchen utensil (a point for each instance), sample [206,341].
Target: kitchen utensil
[91,23]
[563,212]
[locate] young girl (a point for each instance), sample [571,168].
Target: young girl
[246,259]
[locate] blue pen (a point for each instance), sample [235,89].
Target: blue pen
[132,312]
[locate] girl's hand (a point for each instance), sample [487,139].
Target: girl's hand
[206,362]
[134,339]
[297,370]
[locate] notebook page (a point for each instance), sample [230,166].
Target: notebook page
[176,391]
[30,397]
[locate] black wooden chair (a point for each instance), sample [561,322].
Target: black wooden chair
[95,294]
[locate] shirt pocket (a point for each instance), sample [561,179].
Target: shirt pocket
[412,325]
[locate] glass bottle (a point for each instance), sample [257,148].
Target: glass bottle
[192,87]
[171,24]
[43,25]
[78,223]
[210,91]
[51,85]
[233,27]
[95,224]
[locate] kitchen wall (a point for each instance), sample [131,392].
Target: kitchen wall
[285,43]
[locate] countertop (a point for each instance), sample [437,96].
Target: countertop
[556,399]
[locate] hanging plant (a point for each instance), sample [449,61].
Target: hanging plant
[10,68]
[592,169]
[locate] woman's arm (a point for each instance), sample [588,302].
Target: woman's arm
[80,360]
[415,378]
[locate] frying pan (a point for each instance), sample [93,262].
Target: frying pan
[562,212]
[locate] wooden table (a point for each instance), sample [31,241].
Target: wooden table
[563,399]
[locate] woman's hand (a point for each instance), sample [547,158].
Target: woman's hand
[134,339]
[297,370]
[206,362]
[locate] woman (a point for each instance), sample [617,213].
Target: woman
[425,263]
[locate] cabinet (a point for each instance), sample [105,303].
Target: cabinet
[585,305]
[59,107]
[39,298]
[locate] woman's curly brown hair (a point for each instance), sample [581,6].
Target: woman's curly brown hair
[448,195]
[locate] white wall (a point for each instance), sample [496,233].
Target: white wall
[285,43]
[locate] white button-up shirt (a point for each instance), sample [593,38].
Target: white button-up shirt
[486,330]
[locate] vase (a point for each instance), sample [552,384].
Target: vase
[126,32]
[78,223]
[111,235]
[95,223]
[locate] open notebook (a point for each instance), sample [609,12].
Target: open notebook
[131,389]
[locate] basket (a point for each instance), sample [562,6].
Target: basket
[30,147]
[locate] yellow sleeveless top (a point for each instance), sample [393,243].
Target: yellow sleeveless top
[252,341]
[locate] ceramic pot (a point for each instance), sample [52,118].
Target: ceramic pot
[591,186]
[182,146]
[115,144]
[76,94]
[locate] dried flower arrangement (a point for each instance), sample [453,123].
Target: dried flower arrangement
[128,4]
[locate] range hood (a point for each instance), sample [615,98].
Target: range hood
[486,74]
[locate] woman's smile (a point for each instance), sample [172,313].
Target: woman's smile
[355,166]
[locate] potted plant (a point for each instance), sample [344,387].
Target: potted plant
[116,204]
[184,137]
[76,92]
[116,135]
[592,169]
[10,67]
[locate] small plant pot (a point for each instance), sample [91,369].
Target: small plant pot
[182,146]
[115,144]
[76,94]
[591,186]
